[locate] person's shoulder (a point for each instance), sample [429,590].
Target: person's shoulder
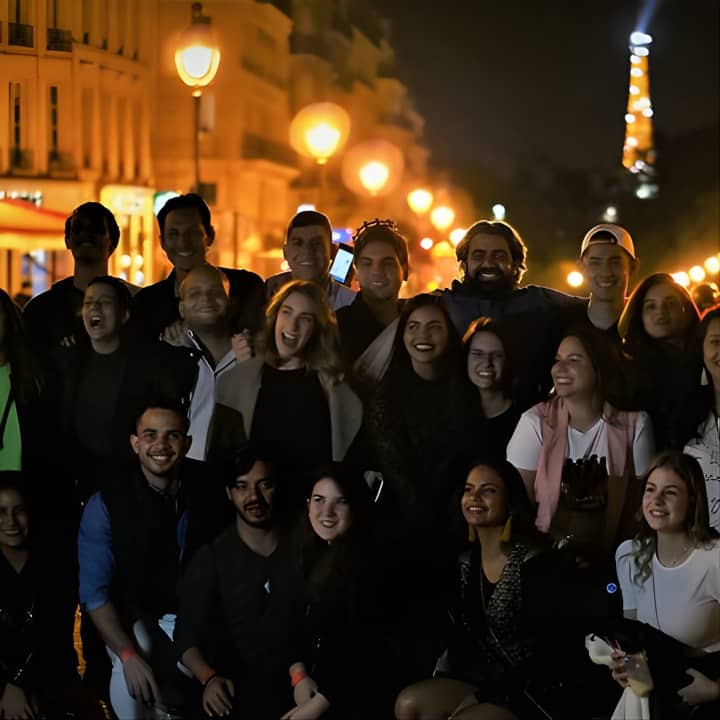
[626,549]
[160,287]
[239,276]
[49,297]
[552,296]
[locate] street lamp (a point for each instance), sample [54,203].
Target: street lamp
[420,200]
[196,60]
[319,131]
[373,167]
[374,176]
[442,217]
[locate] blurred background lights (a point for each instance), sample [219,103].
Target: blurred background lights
[681,278]
[640,38]
[575,279]
[498,211]
[457,235]
[712,264]
[426,243]
[696,273]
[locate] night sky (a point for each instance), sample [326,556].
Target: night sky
[503,84]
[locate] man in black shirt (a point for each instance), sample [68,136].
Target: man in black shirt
[381,262]
[186,233]
[241,603]
[52,318]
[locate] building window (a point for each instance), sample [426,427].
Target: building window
[54,119]
[15,105]
[20,32]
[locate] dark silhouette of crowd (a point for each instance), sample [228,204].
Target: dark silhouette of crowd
[291,499]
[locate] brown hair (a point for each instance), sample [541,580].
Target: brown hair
[517,248]
[322,353]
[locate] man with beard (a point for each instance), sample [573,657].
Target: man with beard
[240,605]
[53,318]
[134,535]
[492,258]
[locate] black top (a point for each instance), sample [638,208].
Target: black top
[53,315]
[358,327]
[35,636]
[156,306]
[497,431]
[291,422]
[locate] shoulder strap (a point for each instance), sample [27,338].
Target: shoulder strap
[6,413]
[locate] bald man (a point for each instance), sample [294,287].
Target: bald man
[204,302]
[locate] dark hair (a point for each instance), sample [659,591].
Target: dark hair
[517,248]
[242,463]
[98,211]
[334,565]
[190,201]
[606,360]
[631,327]
[311,217]
[322,352]
[17,481]
[704,400]
[383,233]
[26,377]
[490,325]
[697,521]
[453,356]
[169,404]
[124,298]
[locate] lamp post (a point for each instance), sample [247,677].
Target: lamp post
[442,217]
[196,60]
[420,200]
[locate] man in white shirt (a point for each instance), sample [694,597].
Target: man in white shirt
[204,300]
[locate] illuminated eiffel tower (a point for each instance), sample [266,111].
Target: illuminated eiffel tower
[638,150]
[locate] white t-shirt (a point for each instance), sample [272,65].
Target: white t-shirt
[706,450]
[682,601]
[523,450]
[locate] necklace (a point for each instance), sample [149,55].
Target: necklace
[685,551]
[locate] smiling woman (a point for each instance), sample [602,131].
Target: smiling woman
[289,401]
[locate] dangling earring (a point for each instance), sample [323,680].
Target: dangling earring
[507,530]
[472,535]
[704,379]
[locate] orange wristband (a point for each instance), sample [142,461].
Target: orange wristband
[126,653]
[297,677]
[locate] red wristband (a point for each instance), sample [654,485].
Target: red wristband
[297,677]
[126,653]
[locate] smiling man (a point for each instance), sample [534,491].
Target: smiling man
[186,235]
[493,259]
[307,249]
[381,263]
[607,260]
[133,535]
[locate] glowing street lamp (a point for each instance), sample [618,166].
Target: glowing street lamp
[442,217]
[420,200]
[712,264]
[696,273]
[426,243]
[197,59]
[374,176]
[681,278]
[319,131]
[575,279]
[457,235]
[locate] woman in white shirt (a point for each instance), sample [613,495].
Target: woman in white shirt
[577,453]
[670,578]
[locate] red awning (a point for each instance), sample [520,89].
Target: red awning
[24,226]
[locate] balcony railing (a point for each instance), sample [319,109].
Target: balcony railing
[263,72]
[20,34]
[21,159]
[255,147]
[310,45]
[60,162]
[59,40]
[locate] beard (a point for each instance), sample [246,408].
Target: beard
[498,285]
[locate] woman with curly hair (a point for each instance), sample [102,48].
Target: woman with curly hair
[659,328]
[289,401]
[670,579]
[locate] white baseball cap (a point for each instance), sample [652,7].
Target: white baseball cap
[619,236]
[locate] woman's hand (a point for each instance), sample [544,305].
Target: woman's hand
[701,690]
[218,695]
[310,710]
[618,669]
[16,705]
[241,346]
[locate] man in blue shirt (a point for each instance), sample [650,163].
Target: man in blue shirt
[134,535]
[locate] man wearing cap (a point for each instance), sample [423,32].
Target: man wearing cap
[607,260]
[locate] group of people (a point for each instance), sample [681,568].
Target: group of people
[290,499]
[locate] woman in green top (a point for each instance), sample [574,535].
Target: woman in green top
[19,386]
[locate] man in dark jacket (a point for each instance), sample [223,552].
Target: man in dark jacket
[133,537]
[186,233]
